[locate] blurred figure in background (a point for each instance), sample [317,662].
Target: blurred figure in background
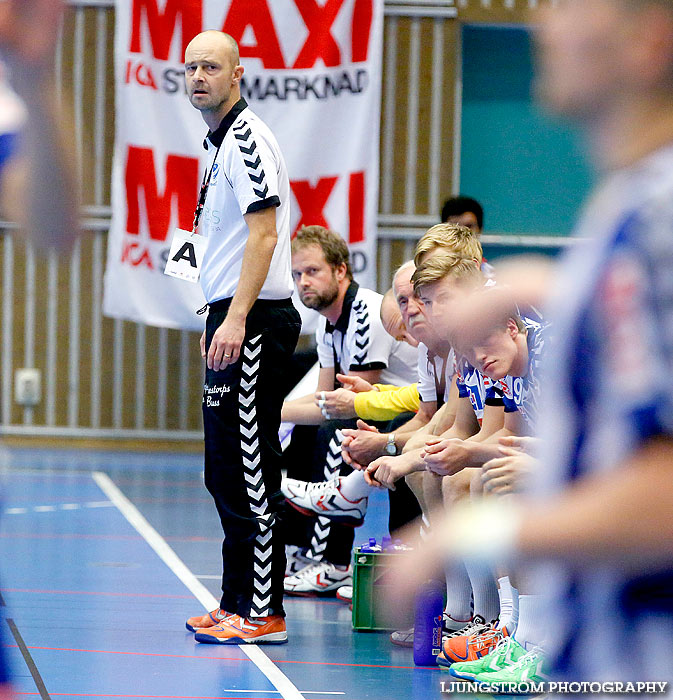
[466,211]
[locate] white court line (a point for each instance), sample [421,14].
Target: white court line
[277,692]
[277,678]
[56,507]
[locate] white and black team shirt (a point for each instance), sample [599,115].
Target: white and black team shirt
[248,175]
[358,341]
[435,374]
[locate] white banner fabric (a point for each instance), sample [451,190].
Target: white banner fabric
[312,73]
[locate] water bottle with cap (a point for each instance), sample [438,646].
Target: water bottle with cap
[428,617]
[370,547]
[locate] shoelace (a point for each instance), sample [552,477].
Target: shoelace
[313,569]
[321,486]
[502,647]
[528,658]
[474,627]
[481,641]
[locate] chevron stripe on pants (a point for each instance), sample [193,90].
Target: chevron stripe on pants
[241,416]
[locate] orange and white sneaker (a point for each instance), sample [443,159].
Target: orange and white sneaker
[208,620]
[245,630]
[470,648]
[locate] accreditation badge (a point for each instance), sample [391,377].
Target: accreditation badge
[185,256]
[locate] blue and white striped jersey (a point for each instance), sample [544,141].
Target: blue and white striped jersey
[482,390]
[523,393]
[608,388]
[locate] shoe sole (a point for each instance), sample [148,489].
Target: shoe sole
[313,594]
[463,676]
[345,600]
[194,629]
[347,520]
[272,638]
[444,663]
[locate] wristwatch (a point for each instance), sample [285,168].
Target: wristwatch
[391,447]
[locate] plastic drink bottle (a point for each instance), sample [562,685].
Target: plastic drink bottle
[428,618]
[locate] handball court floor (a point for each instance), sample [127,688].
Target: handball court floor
[103,555]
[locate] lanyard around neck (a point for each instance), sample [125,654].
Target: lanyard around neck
[203,193]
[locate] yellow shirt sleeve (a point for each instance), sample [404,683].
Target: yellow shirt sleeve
[387,403]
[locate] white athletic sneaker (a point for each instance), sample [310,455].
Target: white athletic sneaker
[296,559]
[324,498]
[345,593]
[477,626]
[317,579]
[403,638]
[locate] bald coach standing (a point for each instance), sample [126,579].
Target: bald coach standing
[252,328]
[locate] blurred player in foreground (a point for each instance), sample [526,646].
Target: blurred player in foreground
[599,523]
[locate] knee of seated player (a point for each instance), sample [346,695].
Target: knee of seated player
[415,483]
[456,488]
[412,443]
[432,493]
[476,485]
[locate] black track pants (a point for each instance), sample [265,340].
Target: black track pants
[241,416]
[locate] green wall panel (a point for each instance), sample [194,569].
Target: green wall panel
[524,166]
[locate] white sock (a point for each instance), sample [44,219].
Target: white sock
[529,632]
[484,590]
[509,605]
[354,487]
[458,595]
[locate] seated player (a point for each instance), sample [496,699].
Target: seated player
[510,351]
[480,415]
[435,377]
[362,447]
[357,398]
[345,498]
[504,356]
[350,340]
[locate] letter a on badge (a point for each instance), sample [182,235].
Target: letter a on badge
[186,253]
[185,256]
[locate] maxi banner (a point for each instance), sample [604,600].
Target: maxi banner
[312,73]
